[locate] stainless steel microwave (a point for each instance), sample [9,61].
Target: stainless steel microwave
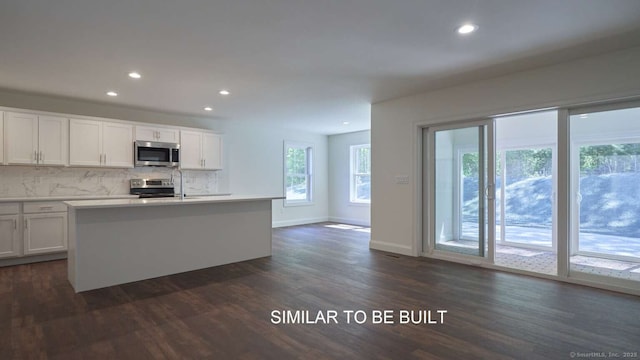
[151,153]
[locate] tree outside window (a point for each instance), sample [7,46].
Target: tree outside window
[298,180]
[360,174]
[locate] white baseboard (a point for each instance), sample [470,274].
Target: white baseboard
[390,247]
[293,222]
[359,222]
[32,259]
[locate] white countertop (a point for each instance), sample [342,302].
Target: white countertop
[66,198]
[111,203]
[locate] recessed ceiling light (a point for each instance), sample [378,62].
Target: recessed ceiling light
[224,92]
[112,93]
[467,29]
[135,75]
[208,108]
[345,123]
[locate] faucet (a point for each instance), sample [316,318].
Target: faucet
[181,183]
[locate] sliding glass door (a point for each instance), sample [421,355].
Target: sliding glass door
[459,189]
[605,148]
[554,192]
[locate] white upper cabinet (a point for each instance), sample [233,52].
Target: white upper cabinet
[53,140]
[33,139]
[117,144]
[212,151]
[85,142]
[100,143]
[21,137]
[158,134]
[200,150]
[190,150]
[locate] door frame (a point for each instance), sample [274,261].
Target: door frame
[427,163]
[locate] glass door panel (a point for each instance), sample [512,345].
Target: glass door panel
[606,193]
[459,178]
[528,196]
[525,191]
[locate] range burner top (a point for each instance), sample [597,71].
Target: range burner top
[152,188]
[156,195]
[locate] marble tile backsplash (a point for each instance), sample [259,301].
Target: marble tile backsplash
[31,181]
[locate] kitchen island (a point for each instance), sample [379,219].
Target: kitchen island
[118,241]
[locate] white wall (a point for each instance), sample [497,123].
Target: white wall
[340,207]
[527,129]
[395,212]
[253,156]
[255,165]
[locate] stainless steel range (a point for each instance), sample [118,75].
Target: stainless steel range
[152,188]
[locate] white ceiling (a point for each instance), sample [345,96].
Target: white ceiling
[304,64]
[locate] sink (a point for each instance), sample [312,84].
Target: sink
[204,196]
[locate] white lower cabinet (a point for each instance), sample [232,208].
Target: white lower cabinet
[45,227]
[1,137]
[9,239]
[10,230]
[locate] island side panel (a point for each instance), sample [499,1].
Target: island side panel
[124,244]
[71,245]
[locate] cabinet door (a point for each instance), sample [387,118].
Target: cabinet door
[21,137]
[158,134]
[45,233]
[168,135]
[117,140]
[53,140]
[212,151]
[1,137]
[85,142]
[191,150]
[146,133]
[9,244]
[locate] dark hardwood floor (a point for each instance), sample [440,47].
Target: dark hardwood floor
[225,312]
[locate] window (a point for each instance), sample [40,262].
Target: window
[360,174]
[297,173]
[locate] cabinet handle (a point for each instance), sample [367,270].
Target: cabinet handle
[105,159]
[15,224]
[46,207]
[42,156]
[204,162]
[35,155]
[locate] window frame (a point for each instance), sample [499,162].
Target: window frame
[353,174]
[308,175]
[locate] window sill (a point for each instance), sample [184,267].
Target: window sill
[298,203]
[359,204]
